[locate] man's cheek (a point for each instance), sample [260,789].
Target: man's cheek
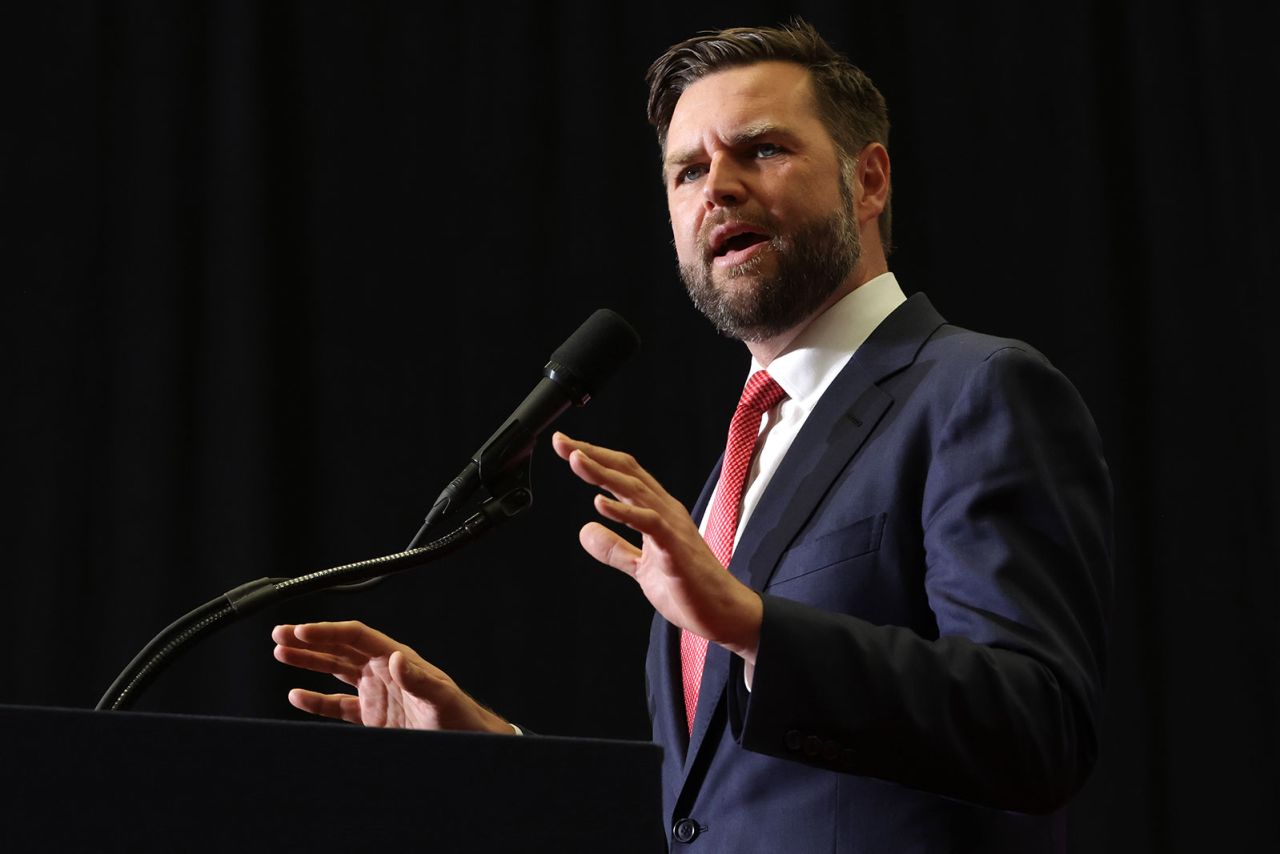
[687,251]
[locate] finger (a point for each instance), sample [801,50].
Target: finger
[342,707]
[284,635]
[621,484]
[643,519]
[609,548]
[566,444]
[287,635]
[351,633]
[607,458]
[563,445]
[319,663]
[354,657]
[417,677]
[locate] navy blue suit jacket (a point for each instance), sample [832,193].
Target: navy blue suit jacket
[934,559]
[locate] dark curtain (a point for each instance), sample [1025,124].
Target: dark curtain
[272,270]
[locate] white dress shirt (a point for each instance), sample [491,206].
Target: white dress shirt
[804,370]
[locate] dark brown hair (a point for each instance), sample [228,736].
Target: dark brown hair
[849,105]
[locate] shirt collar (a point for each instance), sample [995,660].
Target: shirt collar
[822,349]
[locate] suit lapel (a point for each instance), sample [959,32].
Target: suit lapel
[715,674]
[715,667]
[832,434]
[709,487]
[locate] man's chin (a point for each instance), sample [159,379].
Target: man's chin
[737,312]
[737,300]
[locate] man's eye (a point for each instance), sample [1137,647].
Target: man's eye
[768,149]
[690,173]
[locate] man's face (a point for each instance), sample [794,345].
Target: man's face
[761,210]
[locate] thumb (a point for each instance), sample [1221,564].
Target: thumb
[607,547]
[412,677]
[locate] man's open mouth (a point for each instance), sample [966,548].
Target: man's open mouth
[739,241]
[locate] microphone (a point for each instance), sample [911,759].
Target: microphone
[576,370]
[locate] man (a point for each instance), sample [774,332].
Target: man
[906,651]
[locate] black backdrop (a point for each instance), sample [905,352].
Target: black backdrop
[272,270]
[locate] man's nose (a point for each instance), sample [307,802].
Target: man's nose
[724,186]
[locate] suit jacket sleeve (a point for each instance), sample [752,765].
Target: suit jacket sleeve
[997,700]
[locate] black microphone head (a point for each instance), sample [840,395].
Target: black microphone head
[593,354]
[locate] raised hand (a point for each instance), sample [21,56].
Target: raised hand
[673,565]
[395,687]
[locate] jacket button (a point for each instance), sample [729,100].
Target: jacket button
[792,739]
[812,745]
[685,830]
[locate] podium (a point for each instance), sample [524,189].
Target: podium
[125,781]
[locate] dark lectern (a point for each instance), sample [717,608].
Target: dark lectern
[121,781]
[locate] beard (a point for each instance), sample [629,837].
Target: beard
[811,263]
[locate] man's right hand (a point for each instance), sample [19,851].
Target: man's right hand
[395,687]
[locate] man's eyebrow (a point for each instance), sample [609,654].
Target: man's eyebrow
[751,133]
[743,136]
[681,158]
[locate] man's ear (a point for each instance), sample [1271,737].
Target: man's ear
[871,182]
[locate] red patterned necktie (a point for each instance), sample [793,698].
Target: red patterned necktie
[761,394]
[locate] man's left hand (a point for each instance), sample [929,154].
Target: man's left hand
[673,565]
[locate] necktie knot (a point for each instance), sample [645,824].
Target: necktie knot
[761,393]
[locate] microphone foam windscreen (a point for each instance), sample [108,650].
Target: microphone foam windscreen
[599,347]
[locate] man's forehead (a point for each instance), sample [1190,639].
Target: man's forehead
[736,99]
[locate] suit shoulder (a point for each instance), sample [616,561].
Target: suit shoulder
[962,364]
[958,346]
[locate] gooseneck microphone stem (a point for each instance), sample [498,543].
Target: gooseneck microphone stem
[254,595]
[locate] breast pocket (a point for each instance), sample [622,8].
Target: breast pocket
[829,549]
